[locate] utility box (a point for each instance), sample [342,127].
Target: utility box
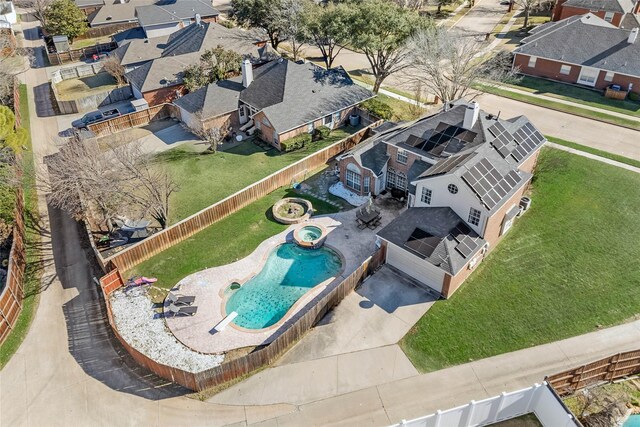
[61,43]
[139,104]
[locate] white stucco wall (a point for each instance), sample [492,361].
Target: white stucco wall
[10,16]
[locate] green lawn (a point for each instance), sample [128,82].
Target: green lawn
[605,154]
[205,179]
[577,94]
[568,267]
[578,111]
[33,271]
[402,111]
[224,242]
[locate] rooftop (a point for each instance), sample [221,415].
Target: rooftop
[173,11]
[619,6]
[214,99]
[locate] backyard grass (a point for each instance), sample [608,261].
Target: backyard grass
[78,88]
[578,111]
[224,242]
[569,266]
[605,154]
[402,111]
[33,270]
[577,94]
[205,179]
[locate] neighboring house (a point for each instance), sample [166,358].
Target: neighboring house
[463,171]
[8,12]
[282,98]
[582,49]
[89,7]
[116,12]
[155,66]
[166,18]
[612,11]
[285,99]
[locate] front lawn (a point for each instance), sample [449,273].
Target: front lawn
[205,179]
[224,242]
[568,267]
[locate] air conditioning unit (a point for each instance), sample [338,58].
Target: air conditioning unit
[525,203]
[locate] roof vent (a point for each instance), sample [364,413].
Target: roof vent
[633,35]
[198,19]
[471,115]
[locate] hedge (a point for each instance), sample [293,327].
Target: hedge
[296,142]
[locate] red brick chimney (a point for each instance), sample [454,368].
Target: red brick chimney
[636,8]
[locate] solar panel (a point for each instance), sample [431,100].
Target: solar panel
[528,139]
[446,165]
[488,183]
[466,246]
[447,139]
[413,141]
[503,139]
[460,232]
[422,242]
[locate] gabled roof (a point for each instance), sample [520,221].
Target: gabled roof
[173,11]
[437,235]
[619,6]
[213,100]
[114,12]
[291,94]
[585,40]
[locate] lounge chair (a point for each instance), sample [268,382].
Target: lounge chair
[180,299]
[188,310]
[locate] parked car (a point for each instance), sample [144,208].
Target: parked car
[95,117]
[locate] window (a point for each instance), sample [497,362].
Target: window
[402,157]
[426,196]
[532,61]
[241,111]
[266,122]
[609,76]
[474,216]
[258,125]
[310,127]
[565,69]
[608,16]
[186,22]
[588,76]
[453,189]
[353,180]
[396,180]
[327,120]
[366,184]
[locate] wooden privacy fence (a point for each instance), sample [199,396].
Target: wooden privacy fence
[13,292]
[57,58]
[292,331]
[107,30]
[16,102]
[83,70]
[131,120]
[157,243]
[607,369]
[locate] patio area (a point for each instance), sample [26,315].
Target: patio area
[207,286]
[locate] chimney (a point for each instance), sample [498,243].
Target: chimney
[247,73]
[198,19]
[471,115]
[633,35]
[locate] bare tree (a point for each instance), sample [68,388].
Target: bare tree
[527,6]
[212,137]
[293,13]
[448,64]
[38,7]
[11,64]
[113,66]
[120,178]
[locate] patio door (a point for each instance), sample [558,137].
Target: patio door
[588,76]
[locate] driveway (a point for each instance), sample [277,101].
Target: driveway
[482,18]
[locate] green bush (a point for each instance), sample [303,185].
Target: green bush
[378,108]
[634,96]
[295,143]
[321,133]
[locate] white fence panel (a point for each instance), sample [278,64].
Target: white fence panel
[515,404]
[482,414]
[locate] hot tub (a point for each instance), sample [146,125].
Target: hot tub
[310,236]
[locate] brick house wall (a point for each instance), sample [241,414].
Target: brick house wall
[569,11]
[163,95]
[392,150]
[342,166]
[551,70]
[223,121]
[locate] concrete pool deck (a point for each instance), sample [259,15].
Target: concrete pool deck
[197,332]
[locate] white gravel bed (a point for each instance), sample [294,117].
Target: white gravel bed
[147,332]
[339,190]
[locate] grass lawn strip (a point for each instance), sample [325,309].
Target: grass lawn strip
[595,151]
[33,271]
[224,242]
[205,179]
[582,112]
[568,267]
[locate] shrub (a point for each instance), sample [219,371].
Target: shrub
[226,23]
[634,96]
[295,143]
[323,131]
[378,108]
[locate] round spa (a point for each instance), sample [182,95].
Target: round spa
[310,236]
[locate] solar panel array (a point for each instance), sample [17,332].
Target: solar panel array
[528,139]
[422,242]
[466,243]
[489,184]
[525,139]
[446,139]
[447,165]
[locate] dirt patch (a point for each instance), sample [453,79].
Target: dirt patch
[79,88]
[528,420]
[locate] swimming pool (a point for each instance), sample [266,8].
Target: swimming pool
[632,421]
[289,272]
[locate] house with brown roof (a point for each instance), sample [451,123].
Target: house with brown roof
[619,13]
[463,173]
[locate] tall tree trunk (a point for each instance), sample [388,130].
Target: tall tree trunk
[439,8]
[377,83]
[526,17]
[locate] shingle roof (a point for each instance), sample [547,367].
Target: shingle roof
[214,99]
[620,6]
[167,12]
[291,94]
[444,227]
[585,40]
[87,3]
[112,13]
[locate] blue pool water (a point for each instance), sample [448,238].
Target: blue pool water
[632,421]
[289,272]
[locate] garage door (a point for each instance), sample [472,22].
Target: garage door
[416,267]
